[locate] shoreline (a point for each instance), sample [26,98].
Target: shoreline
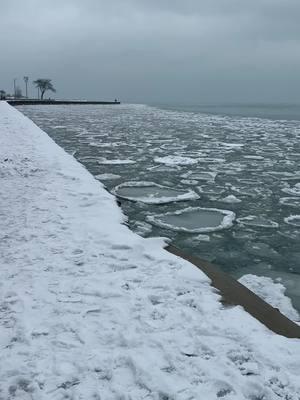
[235,293]
[92,309]
[59,102]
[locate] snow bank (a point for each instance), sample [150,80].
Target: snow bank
[89,310]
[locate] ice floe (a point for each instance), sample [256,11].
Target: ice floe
[247,191]
[211,189]
[231,199]
[257,158]
[175,160]
[294,191]
[290,201]
[189,182]
[105,161]
[202,238]
[152,193]
[261,249]
[258,221]
[206,176]
[211,160]
[272,292]
[194,220]
[293,220]
[108,176]
[231,145]
[142,228]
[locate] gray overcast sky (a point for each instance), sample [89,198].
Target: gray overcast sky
[190,51]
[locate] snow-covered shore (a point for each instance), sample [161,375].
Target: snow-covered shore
[89,310]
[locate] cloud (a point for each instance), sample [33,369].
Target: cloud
[160,50]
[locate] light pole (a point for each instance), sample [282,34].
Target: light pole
[26,83]
[15,87]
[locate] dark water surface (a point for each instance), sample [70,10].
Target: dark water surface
[244,160]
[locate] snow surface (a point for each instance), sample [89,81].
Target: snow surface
[90,310]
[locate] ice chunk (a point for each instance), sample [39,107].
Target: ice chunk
[114,162]
[290,201]
[202,238]
[231,199]
[294,191]
[293,220]
[253,220]
[175,160]
[272,292]
[142,228]
[231,145]
[206,176]
[211,160]
[194,220]
[152,193]
[188,182]
[250,157]
[211,189]
[103,177]
[261,249]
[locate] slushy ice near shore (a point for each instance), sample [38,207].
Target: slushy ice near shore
[89,310]
[249,166]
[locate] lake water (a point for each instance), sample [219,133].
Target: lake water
[235,172]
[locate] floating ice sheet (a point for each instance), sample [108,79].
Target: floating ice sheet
[194,220]
[254,220]
[152,193]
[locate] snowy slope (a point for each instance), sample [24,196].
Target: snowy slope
[89,310]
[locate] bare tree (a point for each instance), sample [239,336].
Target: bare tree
[44,85]
[2,94]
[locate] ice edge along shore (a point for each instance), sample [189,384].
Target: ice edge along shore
[89,310]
